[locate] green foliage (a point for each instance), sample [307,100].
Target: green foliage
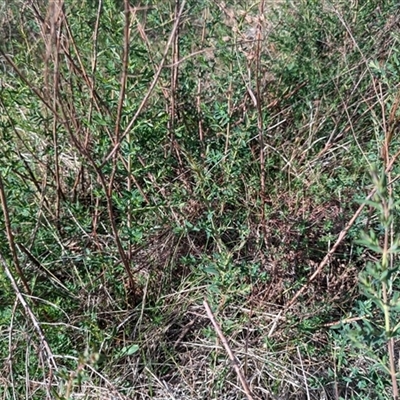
[232,182]
[372,337]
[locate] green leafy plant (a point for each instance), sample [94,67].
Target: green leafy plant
[158,153]
[378,280]
[370,341]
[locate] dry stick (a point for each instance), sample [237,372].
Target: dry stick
[199,84]
[77,144]
[27,148]
[90,110]
[94,101]
[10,237]
[327,257]
[48,353]
[94,67]
[304,374]
[174,76]
[152,85]
[117,239]
[392,124]
[124,75]
[30,86]
[83,150]
[104,185]
[111,217]
[117,128]
[260,120]
[56,34]
[11,348]
[124,78]
[81,71]
[189,56]
[229,124]
[174,86]
[143,35]
[340,238]
[229,351]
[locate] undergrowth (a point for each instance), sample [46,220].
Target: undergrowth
[154,157]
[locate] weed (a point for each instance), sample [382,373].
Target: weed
[156,155]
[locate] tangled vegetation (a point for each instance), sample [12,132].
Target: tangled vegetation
[199,199]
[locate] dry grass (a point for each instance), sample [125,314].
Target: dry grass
[247,222]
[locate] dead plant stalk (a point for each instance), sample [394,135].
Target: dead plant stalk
[232,357]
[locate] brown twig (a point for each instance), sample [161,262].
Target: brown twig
[232,357]
[49,357]
[200,85]
[124,67]
[55,32]
[260,119]
[40,95]
[110,208]
[124,77]
[117,128]
[10,237]
[174,76]
[328,256]
[151,88]
[340,238]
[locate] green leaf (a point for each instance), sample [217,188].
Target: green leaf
[128,350]
[210,269]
